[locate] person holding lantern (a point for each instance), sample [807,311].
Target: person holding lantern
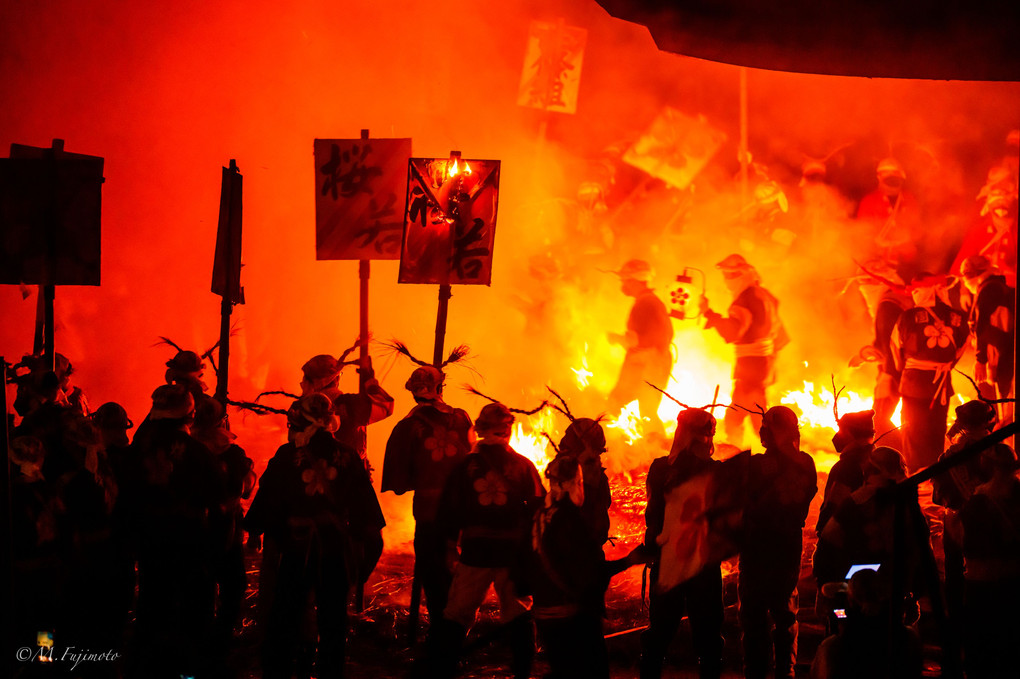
[753,326]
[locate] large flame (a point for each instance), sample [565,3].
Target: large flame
[529,438]
[816,405]
[629,423]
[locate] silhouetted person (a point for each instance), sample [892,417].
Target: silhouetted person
[486,511]
[952,489]
[991,548]
[863,647]
[782,483]
[321,374]
[210,428]
[585,441]
[699,598]
[854,442]
[569,578]
[422,450]
[647,340]
[316,501]
[181,492]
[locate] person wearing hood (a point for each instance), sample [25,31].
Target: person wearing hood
[210,429]
[316,502]
[781,484]
[179,497]
[700,597]
[926,343]
[854,441]
[991,549]
[485,513]
[422,450]
[753,327]
[569,578]
[951,489]
[993,323]
[585,441]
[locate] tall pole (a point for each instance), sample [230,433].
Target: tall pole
[231,282]
[445,293]
[744,160]
[364,273]
[6,541]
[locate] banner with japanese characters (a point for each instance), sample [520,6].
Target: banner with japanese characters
[358,187]
[552,67]
[450,221]
[675,148]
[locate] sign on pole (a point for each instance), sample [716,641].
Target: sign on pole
[675,148]
[552,67]
[359,183]
[50,210]
[450,221]
[226,278]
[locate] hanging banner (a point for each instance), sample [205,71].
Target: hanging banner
[675,148]
[449,221]
[50,214]
[552,67]
[358,186]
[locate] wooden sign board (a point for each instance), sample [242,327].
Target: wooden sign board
[449,221]
[675,148]
[358,186]
[226,277]
[50,215]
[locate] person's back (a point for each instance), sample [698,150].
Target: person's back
[863,646]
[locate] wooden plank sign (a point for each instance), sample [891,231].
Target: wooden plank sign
[50,214]
[358,186]
[226,280]
[449,221]
[552,67]
[675,148]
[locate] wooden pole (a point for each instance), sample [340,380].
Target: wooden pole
[49,292]
[48,288]
[364,273]
[744,160]
[6,541]
[445,293]
[226,305]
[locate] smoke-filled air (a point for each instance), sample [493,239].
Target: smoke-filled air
[169,93]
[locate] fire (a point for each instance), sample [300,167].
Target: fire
[530,440]
[815,405]
[455,168]
[629,423]
[583,374]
